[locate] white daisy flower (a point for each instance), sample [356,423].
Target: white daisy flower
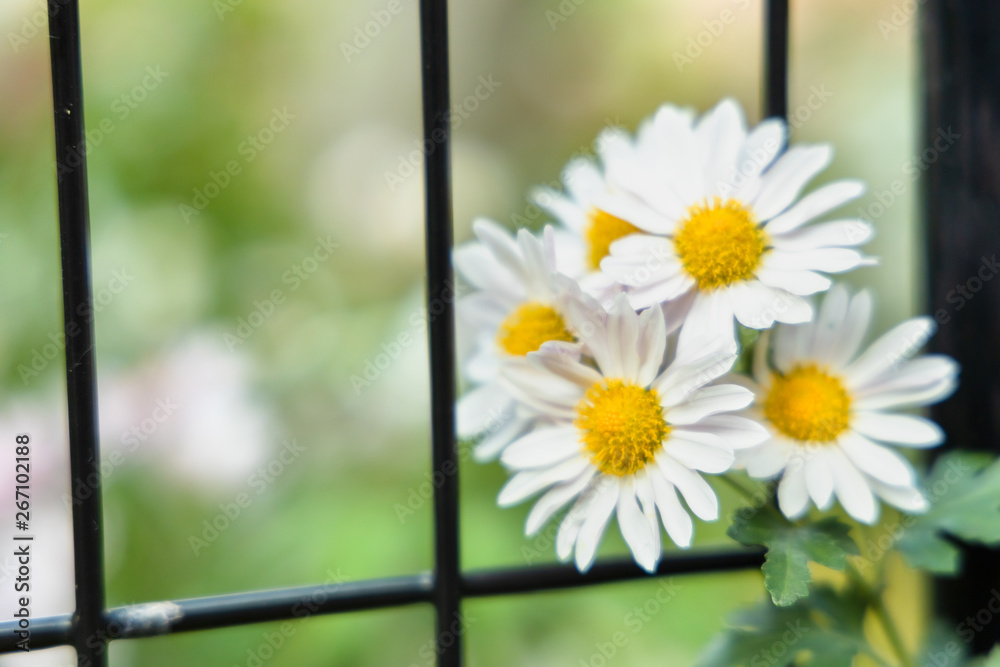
[828,408]
[518,306]
[722,226]
[623,437]
[591,230]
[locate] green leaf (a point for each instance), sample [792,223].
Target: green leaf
[964,489]
[821,631]
[790,547]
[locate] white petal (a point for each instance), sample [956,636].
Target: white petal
[907,498]
[827,329]
[783,182]
[525,484]
[852,331]
[889,350]
[698,493]
[497,438]
[825,234]
[651,346]
[678,151]
[720,134]
[762,145]
[877,461]
[561,360]
[555,499]
[906,430]
[792,309]
[561,207]
[819,480]
[502,245]
[802,283]
[537,267]
[815,204]
[756,305]
[623,335]
[543,448]
[737,432]
[542,391]
[635,529]
[923,381]
[638,213]
[765,461]
[569,529]
[793,495]
[676,520]
[684,377]
[481,310]
[593,526]
[479,266]
[710,401]
[791,345]
[658,292]
[709,322]
[830,260]
[698,454]
[647,503]
[583,178]
[852,489]
[478,408]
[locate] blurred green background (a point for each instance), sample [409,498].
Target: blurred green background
[235,306]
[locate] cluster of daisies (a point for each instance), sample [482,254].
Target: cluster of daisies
[599,354]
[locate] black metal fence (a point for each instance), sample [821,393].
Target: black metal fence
[961,76]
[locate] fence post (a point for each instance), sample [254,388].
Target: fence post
[960,159]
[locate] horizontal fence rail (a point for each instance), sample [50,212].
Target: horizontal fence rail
[160,618]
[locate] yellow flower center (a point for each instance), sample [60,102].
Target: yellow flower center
[530,325]
[808,404]
[719,243]
[603,230]
[621,425]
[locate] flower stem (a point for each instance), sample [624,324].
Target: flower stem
[882,614]
[742,490]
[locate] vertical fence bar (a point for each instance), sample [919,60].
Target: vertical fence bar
[776,58]
[440,297]
[81,389]
[960,147]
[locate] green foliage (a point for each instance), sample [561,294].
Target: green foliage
[790,546]
[965,495]
[823,630]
